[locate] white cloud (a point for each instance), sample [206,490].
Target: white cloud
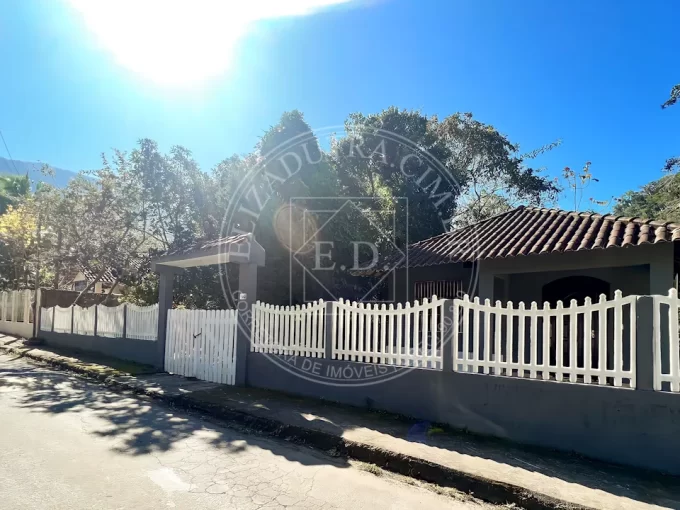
[182,43]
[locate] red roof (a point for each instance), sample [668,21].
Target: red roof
[532,230]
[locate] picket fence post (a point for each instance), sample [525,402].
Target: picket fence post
[449,334]
[646,346]
[125,308]
[96,317]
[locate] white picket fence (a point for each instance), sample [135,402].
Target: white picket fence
[410,336]
[122,321]
[110,320]
[202,344]
[141,322]
[666,310]
[593,343]
[290,330]
[364,332]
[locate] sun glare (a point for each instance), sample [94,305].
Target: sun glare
[182,43]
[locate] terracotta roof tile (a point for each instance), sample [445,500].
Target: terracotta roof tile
[531,230]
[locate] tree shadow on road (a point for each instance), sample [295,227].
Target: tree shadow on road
[137,425]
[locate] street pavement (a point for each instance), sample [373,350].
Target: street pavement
[69,443]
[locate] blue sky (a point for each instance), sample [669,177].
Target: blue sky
[590,73]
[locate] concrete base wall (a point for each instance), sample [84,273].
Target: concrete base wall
[634,427]
[22,329]
[141,351]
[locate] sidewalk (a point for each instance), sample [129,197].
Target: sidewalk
[491,469]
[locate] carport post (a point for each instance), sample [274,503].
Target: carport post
[247,286]
[166,278]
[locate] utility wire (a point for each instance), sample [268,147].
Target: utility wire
[9,154]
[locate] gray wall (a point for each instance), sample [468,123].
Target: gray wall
[635,427]
[612,264]
[403,289]
[141,351]
[628,279]
[644,269]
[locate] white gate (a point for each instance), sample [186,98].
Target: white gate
[202,344]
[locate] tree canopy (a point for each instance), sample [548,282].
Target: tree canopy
[145,202]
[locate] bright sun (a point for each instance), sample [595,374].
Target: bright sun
[181,43]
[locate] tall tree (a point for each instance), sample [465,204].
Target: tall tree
[13,188]
[495,176]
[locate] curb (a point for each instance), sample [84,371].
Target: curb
[486,489]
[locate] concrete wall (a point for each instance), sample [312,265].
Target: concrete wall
[141,351]
[635,427]
[22,329]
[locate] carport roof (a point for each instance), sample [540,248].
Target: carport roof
[533,231]
[238,249]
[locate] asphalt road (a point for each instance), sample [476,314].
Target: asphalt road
[67,443]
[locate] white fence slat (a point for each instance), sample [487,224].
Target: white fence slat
[465,357]
[383,334]
[347,345]
[521,344]
[364,329]
[435,334]
[546,342]
[559,344]
[602,341]
[618,340]
[587,341]
[573,340]
[533,338]
[475,338]
[422,352]
[510,325]
[497,340]
[488,338]
[400,318]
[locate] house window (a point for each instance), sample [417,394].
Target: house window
[441,288]
[79,285]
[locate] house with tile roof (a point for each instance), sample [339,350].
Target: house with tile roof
[85,275]
[536,254]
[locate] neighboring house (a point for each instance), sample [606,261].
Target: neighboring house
[85,276]
[531,254]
